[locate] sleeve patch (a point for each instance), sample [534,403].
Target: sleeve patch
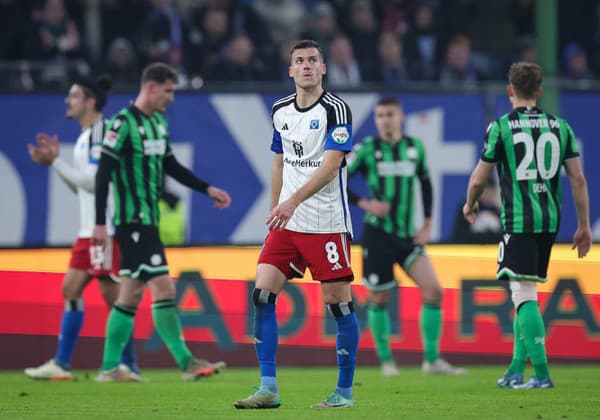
[340,134]
[110,138]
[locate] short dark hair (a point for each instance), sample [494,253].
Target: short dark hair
[525,78]
[96,88]
[307,43]
[159,73]
[389,100]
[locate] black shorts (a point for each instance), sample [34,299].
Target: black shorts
[381,251]
[524,256]
[142,252]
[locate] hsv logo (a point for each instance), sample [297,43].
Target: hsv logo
[314,124]
[298,149]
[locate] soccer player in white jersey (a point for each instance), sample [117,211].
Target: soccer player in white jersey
[84,103]
[309,223]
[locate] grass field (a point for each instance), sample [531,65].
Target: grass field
[408,396]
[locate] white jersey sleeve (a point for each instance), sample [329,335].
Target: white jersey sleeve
[302,136]
[81,175]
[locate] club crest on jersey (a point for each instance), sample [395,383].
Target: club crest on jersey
[161,130]
[141,130]
[412,153]
[314,124]
[340,134]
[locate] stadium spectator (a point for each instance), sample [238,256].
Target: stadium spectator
[85,102]
[393,162]
[164,35]
[395,16]
[210,41]
[530,219]
[55,35]
[575,61]
[285,18]
[393,69]
[122,63]
[316,125]
[280,72]
[139,134]
[458,65]
[422,43]
[488,226]
[238,63]
[242,19]
[342,66]
[363,31]
[322,25]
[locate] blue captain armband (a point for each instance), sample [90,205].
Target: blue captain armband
[339,137]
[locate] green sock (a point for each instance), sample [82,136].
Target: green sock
[534,336]
[168,327]
[517,365]
[379,324]
[119,328]
[431,328]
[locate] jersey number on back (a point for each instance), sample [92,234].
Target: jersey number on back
[546,169]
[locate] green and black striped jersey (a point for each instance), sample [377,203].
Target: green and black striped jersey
[390,171]
[139,143]
[529,147]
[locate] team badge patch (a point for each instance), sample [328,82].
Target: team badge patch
[411,152]
[340,135]
[110,139]
[314,124]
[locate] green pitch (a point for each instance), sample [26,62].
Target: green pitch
[408,396]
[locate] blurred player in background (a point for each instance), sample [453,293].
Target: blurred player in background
[391,162]
[84,103]
[528,147]
[136,154]
[309,223]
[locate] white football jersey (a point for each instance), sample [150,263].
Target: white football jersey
[86,156]
[302,136]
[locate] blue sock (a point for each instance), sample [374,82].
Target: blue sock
[70,326]
[265,337]
[346,345]
[128,357]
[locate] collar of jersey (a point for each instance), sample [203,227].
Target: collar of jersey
[308,108]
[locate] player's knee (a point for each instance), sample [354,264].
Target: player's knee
[523,291]
[433,294]
[379,299]
[341,309]
[69,292]
[262,297]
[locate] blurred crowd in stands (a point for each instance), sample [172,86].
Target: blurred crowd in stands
[390,42]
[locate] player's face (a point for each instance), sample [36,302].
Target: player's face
[77,103]
[388,120]
[307,68]
[162,94]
